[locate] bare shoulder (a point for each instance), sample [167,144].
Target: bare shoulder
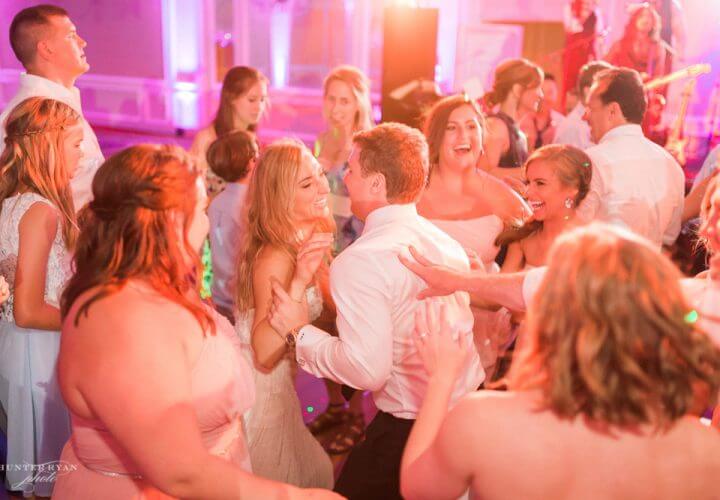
[203,139]
[40,212]
[272,257]
[496,127]
[39,223]
[134,314]
[505,202]
[273,261]
[486,420]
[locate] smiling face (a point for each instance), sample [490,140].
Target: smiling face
[598,114]
[310,202]
[530,99]
[545,193]
[250,106]
[462,142]
[362,189]
[340,104]
[65,48]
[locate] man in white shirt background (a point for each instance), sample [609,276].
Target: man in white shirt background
[376,297]
[635,183]
[47,44]
[573,129]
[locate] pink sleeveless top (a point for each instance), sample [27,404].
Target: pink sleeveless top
[222,390]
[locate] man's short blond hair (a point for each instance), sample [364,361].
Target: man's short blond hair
[398,152]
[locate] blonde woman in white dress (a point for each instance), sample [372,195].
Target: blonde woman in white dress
[287,207]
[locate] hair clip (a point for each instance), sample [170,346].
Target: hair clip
[691,317]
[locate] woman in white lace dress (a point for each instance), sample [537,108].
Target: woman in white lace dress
[37,230]
[287,206]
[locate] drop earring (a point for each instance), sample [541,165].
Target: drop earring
[569,204]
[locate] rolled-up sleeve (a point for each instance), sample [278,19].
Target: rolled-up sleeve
[361,355]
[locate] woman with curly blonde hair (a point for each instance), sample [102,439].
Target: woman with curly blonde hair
[605,389]
[37,232]
[287,214]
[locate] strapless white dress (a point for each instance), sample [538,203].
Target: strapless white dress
[281,447]
[492,329]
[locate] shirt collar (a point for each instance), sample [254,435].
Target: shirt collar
[35,83]
[630,129]
[389,214]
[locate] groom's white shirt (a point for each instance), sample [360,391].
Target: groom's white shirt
[376,300]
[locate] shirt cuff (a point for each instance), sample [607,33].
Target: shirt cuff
[531,283]
[308,338]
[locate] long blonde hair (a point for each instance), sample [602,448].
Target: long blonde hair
[268,218]
[360,86]
[608,334]
[34,157]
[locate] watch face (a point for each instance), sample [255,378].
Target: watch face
[290,339]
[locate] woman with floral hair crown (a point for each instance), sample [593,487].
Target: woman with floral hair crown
[37,233]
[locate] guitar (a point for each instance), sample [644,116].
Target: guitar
[689,72]
[676,140]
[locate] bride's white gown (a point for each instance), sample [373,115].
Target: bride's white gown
[281,447]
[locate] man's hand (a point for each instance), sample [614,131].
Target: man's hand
[441,280]
[286,313]
[443,350]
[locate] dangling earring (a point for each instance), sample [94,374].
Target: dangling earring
[569,204]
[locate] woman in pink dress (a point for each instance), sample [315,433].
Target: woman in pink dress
[154,379]
[604,394]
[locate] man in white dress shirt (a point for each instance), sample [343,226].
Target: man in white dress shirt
[574,130]
[376,297]
[635,183]
[47,44]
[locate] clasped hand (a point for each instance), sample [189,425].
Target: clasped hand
[289,309]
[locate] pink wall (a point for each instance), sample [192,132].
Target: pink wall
[124,36]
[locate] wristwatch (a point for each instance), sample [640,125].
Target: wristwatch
[291,337]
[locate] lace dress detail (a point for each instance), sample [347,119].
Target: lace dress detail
[38,424]
[13,209]
[281,447]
